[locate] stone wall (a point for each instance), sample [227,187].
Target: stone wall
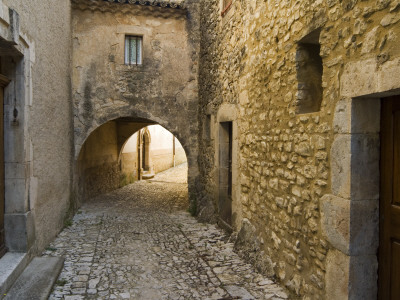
[39,139]
[292,166]
[163,89]
[98,162]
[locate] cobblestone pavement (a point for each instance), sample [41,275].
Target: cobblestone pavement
[140,243]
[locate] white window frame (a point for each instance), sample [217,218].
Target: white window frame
[139,50]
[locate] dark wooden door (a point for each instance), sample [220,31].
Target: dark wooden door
[225,173]
[389,247]
[144,153]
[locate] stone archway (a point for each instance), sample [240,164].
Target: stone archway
[107,141]
[162,90]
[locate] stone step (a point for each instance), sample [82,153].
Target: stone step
[12,264]
[37,280]
[148,175]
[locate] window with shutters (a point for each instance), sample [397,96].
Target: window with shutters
[133,50]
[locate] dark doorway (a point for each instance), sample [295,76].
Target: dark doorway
[144,153]
[3,82]
[225,173]
[389,246]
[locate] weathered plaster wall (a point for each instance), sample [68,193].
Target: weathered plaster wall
[161,149]
[302,186]
[161,154]
[163,89]
[40,148]
[129,161]
[129,168]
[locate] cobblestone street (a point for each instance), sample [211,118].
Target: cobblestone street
[139,242]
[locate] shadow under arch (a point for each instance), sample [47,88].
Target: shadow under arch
[96,167]
[180,131]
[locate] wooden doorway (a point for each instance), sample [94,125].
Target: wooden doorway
[225,174]
[389,244]
[144,150]
[3,82]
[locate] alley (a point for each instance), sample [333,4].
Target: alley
[139,242]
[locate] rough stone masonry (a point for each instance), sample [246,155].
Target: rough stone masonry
[305,148]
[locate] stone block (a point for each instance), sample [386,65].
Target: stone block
[11,266]
[363,277]
[14,26]
[238,292]
[365,77]
[355,166]
[337,275]
[227,113]
[341,166]
[14,170]
[365,155]
[342,116]
[13,138]
[350,226]
[15,196]
[37,279]
[365,115]
[388,77]
[364,227]
[335,221]
[20,231]
[359,78]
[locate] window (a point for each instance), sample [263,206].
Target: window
[226,4]
[133,50]
[309,74]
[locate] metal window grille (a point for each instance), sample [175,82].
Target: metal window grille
[133,50]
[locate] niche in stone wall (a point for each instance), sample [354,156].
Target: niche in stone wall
[309,74]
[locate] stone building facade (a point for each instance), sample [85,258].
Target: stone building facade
[299,83]
[38,134]
[112,99]
[282,108]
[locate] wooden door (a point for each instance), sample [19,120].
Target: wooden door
[3,82]
[389,247]
[225,173]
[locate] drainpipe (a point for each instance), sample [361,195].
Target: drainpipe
[173,149]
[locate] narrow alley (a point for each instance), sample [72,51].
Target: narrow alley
[139,242]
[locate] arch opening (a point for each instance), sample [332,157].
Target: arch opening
[149,151]
[123,151]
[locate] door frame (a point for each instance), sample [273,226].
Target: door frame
[228,113]
[4,81]
[225,145]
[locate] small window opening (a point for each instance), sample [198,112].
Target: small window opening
[309,74]
[226,5]
[133,50]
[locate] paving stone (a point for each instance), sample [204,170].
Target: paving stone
[139,242]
